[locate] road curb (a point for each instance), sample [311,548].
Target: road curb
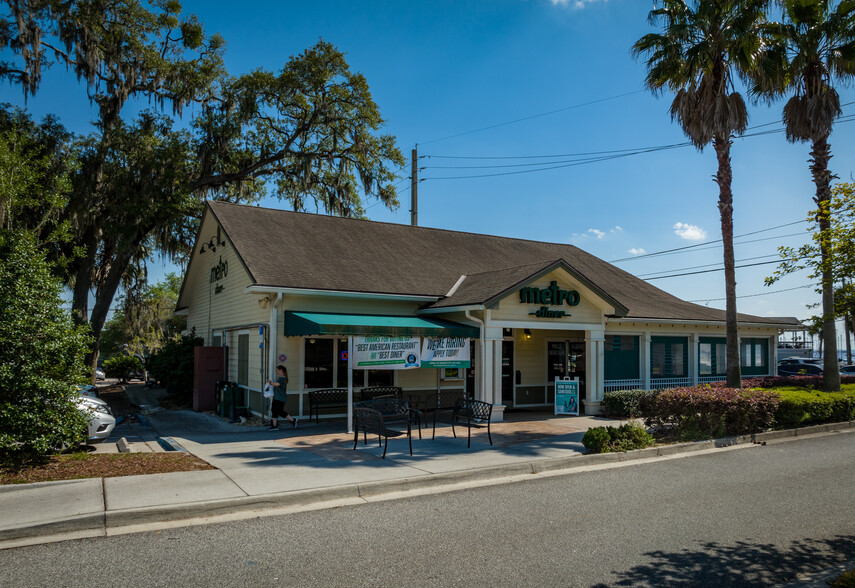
[83,522]
[118,519]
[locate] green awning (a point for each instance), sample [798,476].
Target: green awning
[321,323]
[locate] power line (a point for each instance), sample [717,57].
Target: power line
[686,247]
[721,269]
[755,295]
[707,265]
[609,155]
[542,114]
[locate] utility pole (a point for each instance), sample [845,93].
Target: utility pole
[414,188]
[847,319]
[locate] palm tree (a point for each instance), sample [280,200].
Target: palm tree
[812,47]
[703,44]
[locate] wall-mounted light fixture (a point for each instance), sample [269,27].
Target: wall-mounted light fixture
[212,244]
[264,302]
[527,333]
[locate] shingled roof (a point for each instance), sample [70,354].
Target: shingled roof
[284,249]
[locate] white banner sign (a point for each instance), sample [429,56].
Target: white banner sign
[446,352]
[386,353]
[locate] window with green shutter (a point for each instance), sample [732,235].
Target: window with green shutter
[712,356]
[754,356]
[621,357]
[669,357]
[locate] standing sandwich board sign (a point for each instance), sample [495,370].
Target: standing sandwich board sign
[567,395]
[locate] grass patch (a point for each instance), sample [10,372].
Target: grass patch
[74,466]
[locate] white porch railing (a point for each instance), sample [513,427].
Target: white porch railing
[615,385]
[711,379]
[660,383]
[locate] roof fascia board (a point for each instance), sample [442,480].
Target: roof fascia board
[549,326]
[260,289]
[192,257]
[653,321]
[232,243]
[446,309]
[560,263]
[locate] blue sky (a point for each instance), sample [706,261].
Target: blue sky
[441,70]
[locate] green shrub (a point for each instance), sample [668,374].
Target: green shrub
[808,407]
[173,364]
[844,580]
[122,367]
[626,437]
[704,412]
[624,404]
[41,357]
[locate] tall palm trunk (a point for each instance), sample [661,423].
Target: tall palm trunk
[725,206]
[820,155]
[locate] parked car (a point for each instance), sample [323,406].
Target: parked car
[88,391]
[100,375]
[847,369]
[800,361]
[799,369]
[101,419]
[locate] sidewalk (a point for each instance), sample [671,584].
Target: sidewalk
[262,472]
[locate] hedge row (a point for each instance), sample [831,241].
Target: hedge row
[809,407]
[702,412]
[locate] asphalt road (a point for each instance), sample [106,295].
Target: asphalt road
[751,516]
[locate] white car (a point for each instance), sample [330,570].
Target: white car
[100,375]
[101,419]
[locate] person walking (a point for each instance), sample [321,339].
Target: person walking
[280,393]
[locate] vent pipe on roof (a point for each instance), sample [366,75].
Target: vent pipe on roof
[414,188]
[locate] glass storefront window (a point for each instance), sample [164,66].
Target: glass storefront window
[721,358]
[319,363]
[326,363]
[705,359]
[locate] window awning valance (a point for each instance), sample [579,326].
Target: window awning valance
[319,323]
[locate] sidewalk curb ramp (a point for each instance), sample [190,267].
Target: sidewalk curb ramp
[106,520]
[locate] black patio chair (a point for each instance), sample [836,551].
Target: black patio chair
[371,421]
[372,392]
[436,404]
[472,413]
[394,410]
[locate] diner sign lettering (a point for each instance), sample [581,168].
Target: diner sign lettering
[445,352]
[551,295]
[386,353]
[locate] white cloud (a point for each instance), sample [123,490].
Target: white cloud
[637,250]
[690,232]
[575,3]
[596,233]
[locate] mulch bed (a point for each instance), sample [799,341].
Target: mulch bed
[82,465]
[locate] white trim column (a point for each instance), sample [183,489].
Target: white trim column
[492,391]
[595,370]
[645,360]
[272,352]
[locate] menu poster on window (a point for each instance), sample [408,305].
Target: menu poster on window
[567,396]
[445,352]
[386,353]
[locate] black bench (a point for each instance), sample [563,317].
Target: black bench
[371,421]
[376,391]
[331,398]
[472,413]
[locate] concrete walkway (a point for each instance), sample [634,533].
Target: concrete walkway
[260,472]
